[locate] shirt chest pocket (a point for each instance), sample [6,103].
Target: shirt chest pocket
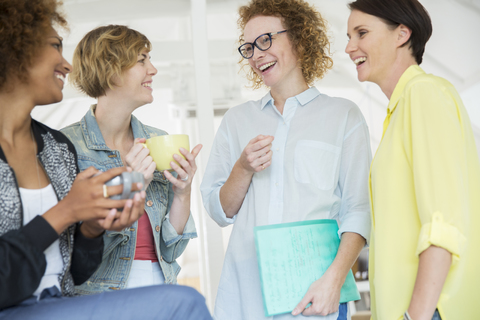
[316,163]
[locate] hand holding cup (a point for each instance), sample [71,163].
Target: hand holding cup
[86,202]
[185,167]
[140,160]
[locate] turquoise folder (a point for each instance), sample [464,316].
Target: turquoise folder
[291,256]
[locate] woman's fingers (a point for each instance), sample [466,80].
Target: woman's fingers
[184,167]
[136,156]
[195,151]
[151,168]
[126,213]
[108,175]
[262,143]
[87,173]
[145,165]
[132,211]
[257,158]
[181,173]
[177,182]
[107,222]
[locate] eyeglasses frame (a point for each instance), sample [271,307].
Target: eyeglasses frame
[254,43]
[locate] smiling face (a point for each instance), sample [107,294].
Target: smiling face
[135,84]
[48,72]
[372,46]
[278,66]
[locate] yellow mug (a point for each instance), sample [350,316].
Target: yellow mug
[163,147]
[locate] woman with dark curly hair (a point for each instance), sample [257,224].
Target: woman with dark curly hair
[294,155]
[425,178]
[44,249]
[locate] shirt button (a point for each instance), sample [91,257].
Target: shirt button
[157,228]
[278,149]
[149,203]
[132,229]
[276,183]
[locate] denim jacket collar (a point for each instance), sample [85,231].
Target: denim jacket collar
[93,135]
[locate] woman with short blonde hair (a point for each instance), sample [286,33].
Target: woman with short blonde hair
[112,64]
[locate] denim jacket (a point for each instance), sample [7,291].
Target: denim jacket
[119,247]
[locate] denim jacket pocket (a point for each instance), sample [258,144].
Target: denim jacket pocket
[85,162]
[111,240]
[316,162]
[160,177]
[159,187]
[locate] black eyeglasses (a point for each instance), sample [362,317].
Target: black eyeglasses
[263,43]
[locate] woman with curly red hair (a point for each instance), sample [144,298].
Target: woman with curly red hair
[52,218]
[294,155]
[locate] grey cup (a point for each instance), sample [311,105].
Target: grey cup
[126,179]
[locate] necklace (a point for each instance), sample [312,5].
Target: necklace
[38,171]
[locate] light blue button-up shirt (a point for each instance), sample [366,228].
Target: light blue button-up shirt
[320,164]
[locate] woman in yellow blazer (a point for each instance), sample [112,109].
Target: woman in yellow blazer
[425,177]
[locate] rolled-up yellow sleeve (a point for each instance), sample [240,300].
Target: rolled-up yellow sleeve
[441,234]
[439,166]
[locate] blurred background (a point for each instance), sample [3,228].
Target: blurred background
[199,79]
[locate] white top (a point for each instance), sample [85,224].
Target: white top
[36,202]
[320,165]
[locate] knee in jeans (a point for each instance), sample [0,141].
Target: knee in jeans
[187,294]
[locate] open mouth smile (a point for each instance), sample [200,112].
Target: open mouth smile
[60,76]
[147,85]
[359,61]
[266,66]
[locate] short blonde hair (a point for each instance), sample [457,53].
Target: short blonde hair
[307,31]
[103,55]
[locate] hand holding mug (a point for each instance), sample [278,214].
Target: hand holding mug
[86,201]
[185,170]
[139,159]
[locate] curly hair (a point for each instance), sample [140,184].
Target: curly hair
[103,55]
[23,25]
[307,32]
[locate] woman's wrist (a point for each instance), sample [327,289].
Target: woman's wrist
[90,232]
[406,316]
[242,169]
[59,217]
[337,277]
[183,197]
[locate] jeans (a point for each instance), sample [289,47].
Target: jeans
[144,273]
[163,302]
[342,311]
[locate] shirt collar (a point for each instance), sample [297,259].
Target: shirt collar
[302,98]
[93,135]
[408,75]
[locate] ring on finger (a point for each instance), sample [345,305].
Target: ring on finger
[185,179]
[263,167]
[105,191]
